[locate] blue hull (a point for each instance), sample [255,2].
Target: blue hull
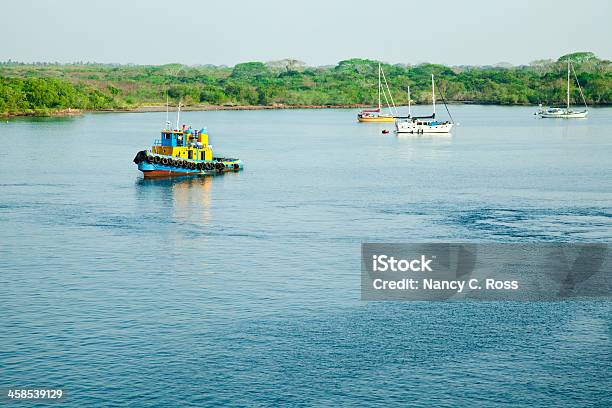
[163,170]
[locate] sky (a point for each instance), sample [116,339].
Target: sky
[318,32]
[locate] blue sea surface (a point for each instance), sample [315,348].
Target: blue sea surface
[244,289]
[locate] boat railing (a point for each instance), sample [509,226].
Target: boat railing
[157,142]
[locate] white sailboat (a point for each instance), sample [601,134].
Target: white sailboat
[423,124]
[376,115]
[565,113]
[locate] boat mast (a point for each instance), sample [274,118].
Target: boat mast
[409,113]
[568,82]
[379,86]
[388,91]
[579,87]
[433,94]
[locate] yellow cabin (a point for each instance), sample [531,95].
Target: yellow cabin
[186,144]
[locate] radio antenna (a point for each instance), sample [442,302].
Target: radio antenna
[167,111]
[178,114]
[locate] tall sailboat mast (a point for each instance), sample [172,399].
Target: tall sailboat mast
[433,94]
[409,113]
[558,112]
[376,115]
[568,84]
[379,86]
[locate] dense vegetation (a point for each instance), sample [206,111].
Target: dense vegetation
[45,88]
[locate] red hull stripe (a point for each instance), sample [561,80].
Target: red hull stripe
[165,173]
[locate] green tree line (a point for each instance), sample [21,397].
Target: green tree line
[42,88]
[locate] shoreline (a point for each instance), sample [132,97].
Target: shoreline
[162,108]
[196,108]
[192,108]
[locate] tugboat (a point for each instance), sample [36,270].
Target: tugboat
[182,152]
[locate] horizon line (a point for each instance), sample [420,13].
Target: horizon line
[499,64]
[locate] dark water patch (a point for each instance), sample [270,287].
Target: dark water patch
[535,223]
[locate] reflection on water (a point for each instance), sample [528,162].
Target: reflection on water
[186,198]
[190,196]
[433,136]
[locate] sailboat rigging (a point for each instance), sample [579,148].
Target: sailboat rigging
[376,115]
[567,112]
[424,124]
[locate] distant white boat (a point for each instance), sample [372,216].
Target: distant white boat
[423,124]
[565,113]
[562,113]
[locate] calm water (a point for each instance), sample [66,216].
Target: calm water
[243,289]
